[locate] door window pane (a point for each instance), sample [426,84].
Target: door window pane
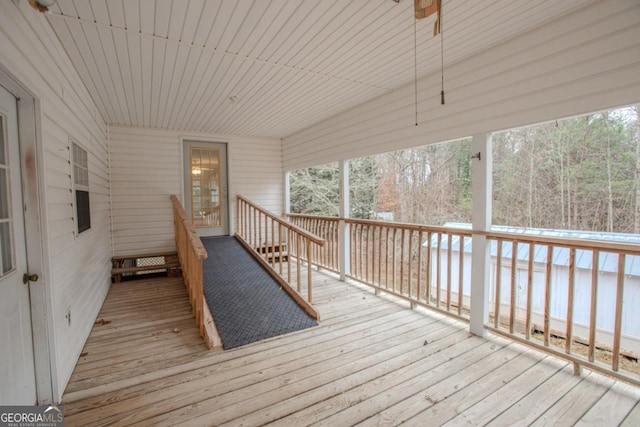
[4,195]
[3,154]
[6,259]
[6,246]
[205,187]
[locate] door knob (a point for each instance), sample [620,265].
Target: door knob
[26,278]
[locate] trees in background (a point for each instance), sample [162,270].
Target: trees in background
[427,185]
[315,190]
[581,173]
[577,174]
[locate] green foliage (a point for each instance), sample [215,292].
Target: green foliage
[315,190]
[363,187]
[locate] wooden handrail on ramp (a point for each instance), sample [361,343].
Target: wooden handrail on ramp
[281,247]
[191,254]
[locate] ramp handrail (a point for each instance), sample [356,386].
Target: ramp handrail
[191,254]
[281,246]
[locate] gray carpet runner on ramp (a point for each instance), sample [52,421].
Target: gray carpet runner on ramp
[246,303]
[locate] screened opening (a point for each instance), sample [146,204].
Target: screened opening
[81,188]
[82,210]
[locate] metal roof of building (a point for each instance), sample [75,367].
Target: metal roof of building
[608,261]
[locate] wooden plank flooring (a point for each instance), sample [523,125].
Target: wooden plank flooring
[372,361]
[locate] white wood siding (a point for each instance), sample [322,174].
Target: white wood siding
[584,62]
[78,273]
[146,167]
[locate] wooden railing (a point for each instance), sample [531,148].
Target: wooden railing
[281,247]
[413,262]
[191,254]
[568,297]
[554,300]
[409,261]
[326,256]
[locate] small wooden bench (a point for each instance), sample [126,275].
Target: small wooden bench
[171,264]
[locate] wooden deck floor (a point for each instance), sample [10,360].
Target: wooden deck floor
[372,361]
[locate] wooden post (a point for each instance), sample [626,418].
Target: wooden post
[309,272]
[344,248]
[461,275]
[287,193]
[617,328]
[481,184]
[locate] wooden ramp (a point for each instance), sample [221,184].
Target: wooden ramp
[372,361]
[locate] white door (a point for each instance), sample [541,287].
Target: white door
[205,182]
[17,371]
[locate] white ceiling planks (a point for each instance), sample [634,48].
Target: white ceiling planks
[267,68]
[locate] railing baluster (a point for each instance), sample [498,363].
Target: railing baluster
[356,249]
[366,253]
[419,278]
[255,228]
[461,275]
[282,248]
[449,257]
[498,296]
[393,260]
[380,255]
[512,309]
[402,262]
[529,290]
[352,249]
[428,270]
[338,250]
[386,257]
[273,244]
[298,262]
[570,295]
[547,296]
[615,361]
[289,252]
[309,273]
[247,219]
[438,270]
[595,261]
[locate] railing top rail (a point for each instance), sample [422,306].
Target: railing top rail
[398,225]
[569,242]
[321,217]
[410,226]
[194,240]
[312,237]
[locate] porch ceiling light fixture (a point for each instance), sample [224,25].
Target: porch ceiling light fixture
[42,5]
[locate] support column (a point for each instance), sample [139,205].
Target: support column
[481,195]
[345,212]
[287,193]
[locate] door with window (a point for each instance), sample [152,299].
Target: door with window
[205,179]
[17,369]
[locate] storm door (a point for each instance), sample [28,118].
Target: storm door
[205,178]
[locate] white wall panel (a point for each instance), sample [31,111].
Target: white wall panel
[586,61]
[146,168]
[78,268]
